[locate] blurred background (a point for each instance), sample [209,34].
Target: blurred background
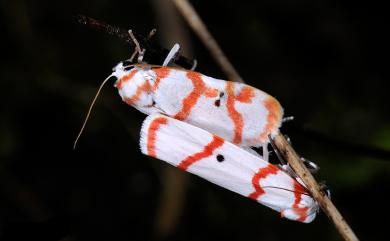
[325,61]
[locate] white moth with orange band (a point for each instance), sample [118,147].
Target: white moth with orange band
[234,111]
[209,156]
[206,126]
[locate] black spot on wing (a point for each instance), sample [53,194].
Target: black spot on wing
[220,158]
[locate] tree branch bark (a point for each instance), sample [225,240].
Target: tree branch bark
[326,204]
[203,33]
[280,142]
[154,52]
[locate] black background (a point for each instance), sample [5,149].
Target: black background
[325,61]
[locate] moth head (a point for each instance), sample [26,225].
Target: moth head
[134,85]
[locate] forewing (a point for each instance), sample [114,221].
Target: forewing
[199,152]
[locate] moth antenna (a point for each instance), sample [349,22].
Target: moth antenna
[89,110]
[288,190]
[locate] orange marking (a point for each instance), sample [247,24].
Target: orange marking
[125,78]
[233,113]
[153,128]
[133,99]
[273,117]
[206,152]
[211,93]
[262,173]
[161,73]
[246,94]
[301,212]
[190,100]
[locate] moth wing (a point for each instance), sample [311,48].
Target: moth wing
[206,155]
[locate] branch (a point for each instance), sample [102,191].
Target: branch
[326,204]
[154,54]
[203,33]
[280,142]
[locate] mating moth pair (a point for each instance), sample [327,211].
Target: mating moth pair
[207,126]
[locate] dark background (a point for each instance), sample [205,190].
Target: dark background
[325,61]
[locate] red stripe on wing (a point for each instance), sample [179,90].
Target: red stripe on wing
[245,96]
[152,132]
[298,192]
[190,100]
[273,118]
[145,87]
[234,115]
[206,152]
[125,78]
[161,73]
[262,173]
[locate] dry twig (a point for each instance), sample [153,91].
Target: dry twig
[154,54]
[203,33]
[327,206]
[280,142]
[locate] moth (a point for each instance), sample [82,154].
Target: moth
[209,156]
[207,126]
[234,111]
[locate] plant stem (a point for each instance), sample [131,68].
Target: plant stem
[193,19]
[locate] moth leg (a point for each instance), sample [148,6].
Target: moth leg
[288,119]
[172,54]
[325,188]
[156,107]
[151,33]
[287,168]
[137,48]
[283,163]
[265,152]
[281,160]
[288,139]
[313,168]
[250,150]
[194,65]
